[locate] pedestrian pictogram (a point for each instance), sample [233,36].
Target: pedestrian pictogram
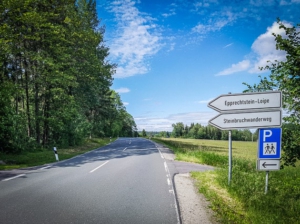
[269,148]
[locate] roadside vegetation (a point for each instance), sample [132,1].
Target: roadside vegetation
[55,78]
[45,156]
[244,201]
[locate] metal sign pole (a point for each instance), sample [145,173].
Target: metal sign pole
[229,157]
[267,179]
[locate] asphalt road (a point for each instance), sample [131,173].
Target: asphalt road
[127,181]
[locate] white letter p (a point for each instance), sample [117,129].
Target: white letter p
[267,133]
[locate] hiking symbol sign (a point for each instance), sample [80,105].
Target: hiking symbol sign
[269,144]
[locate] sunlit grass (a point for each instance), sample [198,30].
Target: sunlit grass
[244,200]
[27,159]
[247,150]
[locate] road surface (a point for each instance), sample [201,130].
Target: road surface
[127,181]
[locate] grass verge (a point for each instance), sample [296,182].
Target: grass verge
[244,201]
[28,159]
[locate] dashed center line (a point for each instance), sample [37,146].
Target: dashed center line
[98,167]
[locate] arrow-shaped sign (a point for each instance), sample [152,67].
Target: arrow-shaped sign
[242,120]
[245,101]
[268,164]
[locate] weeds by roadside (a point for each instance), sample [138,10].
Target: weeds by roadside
[244,201]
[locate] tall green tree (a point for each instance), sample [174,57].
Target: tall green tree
[285,76]
[144,134]
[178,129]
[55,79]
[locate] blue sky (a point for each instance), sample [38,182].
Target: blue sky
[174,56]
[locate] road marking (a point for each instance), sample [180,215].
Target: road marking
[98,167]
[20,175]
[161,155]
[172,191]
[166,167]
[169,182]
[124,149]
[45,167]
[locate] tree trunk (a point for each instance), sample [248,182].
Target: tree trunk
[29,128]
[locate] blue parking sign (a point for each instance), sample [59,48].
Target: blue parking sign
[269,143]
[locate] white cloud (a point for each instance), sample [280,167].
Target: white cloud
[125,103]
[205,101]
[165,123]
[239,67]
[136,39]
[147,99]
[216,22]
[262,2]
[122,90]
[263,52]
[287,2]
[204,29]
[264,47]
[171,13]
[228,45]
[203,4]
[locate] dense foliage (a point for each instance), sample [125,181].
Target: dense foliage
[285,76]
[54,77]
[197,131]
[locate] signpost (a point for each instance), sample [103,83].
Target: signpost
[269,151]
[247,101]
[269,143]
[268,164]
[253,110]
[239,120]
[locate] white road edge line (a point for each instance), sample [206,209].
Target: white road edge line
[45,167]
[98,167]
[169,182]
[166,167]
[20,175]
[171,191]
[161,155]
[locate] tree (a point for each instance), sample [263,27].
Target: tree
[144,134]
[178,129]
[54,76]
[285,76]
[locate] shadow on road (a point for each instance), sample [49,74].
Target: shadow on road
[121,148]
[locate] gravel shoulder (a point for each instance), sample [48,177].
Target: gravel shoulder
[193,206]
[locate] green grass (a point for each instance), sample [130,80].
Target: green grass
[244,201]
[28,159]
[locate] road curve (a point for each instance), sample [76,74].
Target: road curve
[127,181]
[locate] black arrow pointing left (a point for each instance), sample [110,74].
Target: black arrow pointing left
[265,164]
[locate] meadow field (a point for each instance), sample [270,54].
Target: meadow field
[244,200]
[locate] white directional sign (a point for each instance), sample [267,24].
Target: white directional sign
[268,164]
[247,101]
[239,120]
